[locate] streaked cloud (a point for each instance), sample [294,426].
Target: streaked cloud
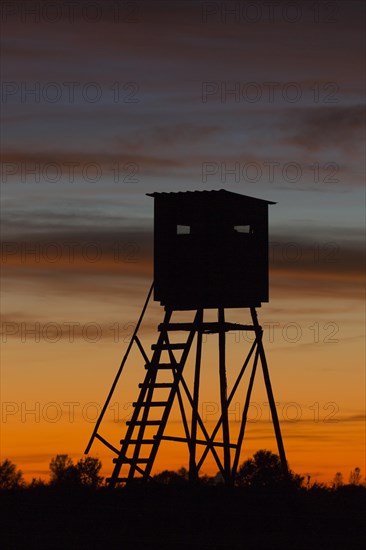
[333,127]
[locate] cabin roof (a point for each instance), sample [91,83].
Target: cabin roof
[220,193]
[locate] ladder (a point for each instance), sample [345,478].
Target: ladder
[139,448]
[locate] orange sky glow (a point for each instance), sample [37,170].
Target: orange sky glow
[173,110]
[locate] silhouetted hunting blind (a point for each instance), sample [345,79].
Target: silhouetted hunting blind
[210,249]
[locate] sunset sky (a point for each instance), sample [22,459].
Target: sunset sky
[103,102]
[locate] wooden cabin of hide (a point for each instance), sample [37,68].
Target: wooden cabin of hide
[210,250]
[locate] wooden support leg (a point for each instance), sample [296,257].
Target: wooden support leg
[223,398]
[193,472]
[267,381]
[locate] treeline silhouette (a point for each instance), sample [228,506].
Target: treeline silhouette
[263,470]
[74,509]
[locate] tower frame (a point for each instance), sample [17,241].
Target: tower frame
[137,451]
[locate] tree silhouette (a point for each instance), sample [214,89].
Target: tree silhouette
[88,469]
[338,480]
[355,477]
[37,483]
[85,472]
[63,471]
[170,477]
[10,477]
[264,470]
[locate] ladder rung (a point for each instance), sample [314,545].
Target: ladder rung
[152,404]
[169,346]
[143,442]
[161,366]
[158,385]
[144,422]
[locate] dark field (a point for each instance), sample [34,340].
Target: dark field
[208,518]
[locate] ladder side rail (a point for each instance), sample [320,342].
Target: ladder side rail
[172,358]
[153,366]
[131,426]
[161,428]
[145,415]
[177,370]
